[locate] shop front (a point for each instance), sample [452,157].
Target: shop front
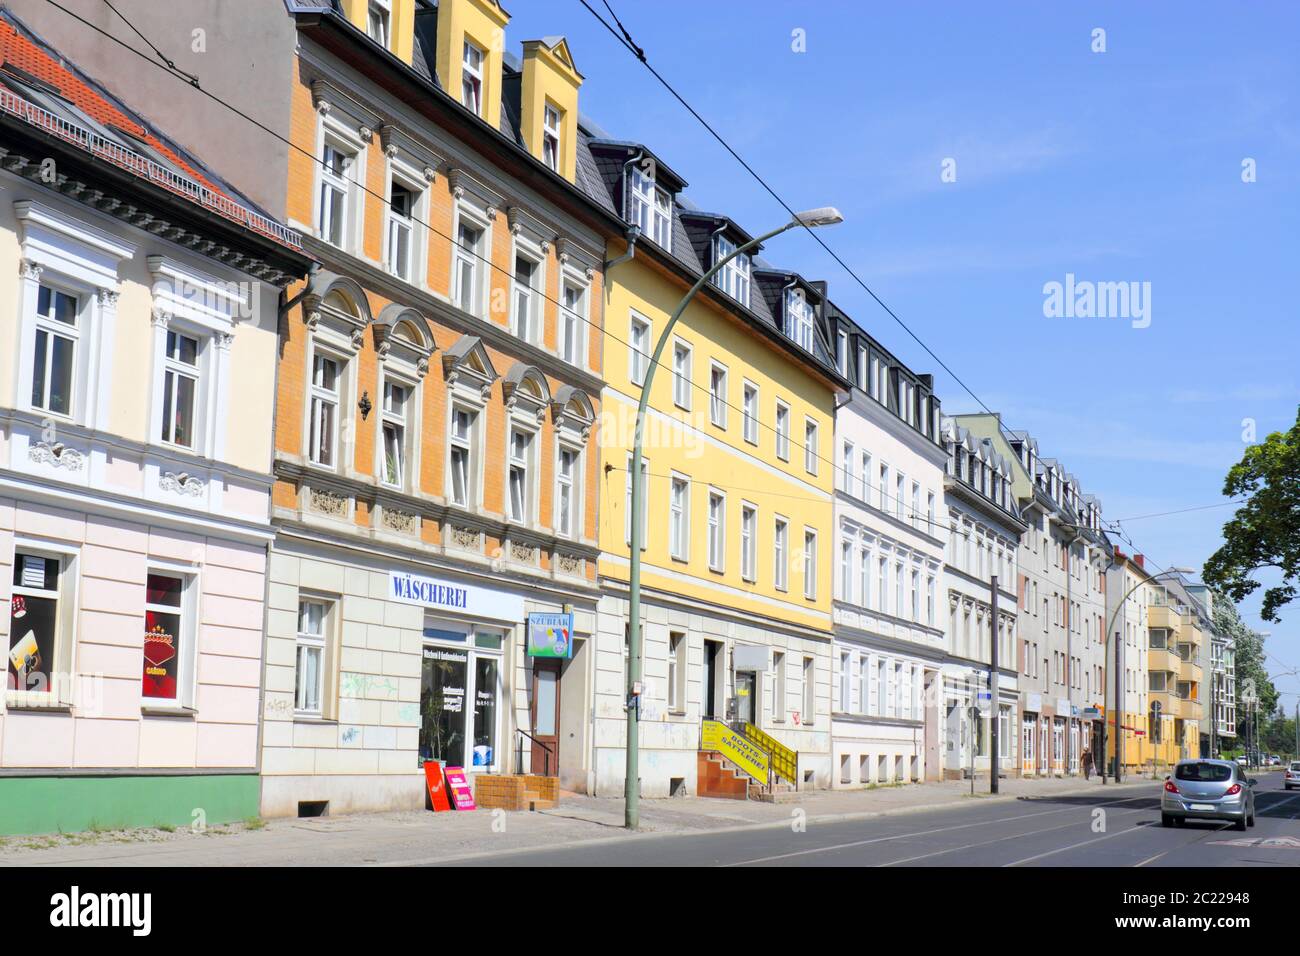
[374,669]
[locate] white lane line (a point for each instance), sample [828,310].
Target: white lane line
[1074,846]
[971,846]
[1219,829]
[904,836]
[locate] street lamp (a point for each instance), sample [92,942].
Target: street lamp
[812,218]
[1119,672]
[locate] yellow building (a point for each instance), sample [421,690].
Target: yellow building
[736,571]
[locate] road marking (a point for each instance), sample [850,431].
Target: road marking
[971,846]
[1219,829]
[1075,846]
[904,836]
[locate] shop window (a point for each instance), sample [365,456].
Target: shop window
[39,624]
[168,665]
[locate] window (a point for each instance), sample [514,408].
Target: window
[748,542]
[682,375]
[842,352]
[929,600]
[846,570]
[899,607]
[750,413]
[551,137]
[566,496]
[810,455]
[462,664]
[845,691]
[866,476]
[679,516]
[810,564]
[809,714]
[572,320]
[401,208]
[882,585]
[782,431]
[394,433]
[645,511]
[846,468]
[677,672]
[916,504]
[717,530]
[377,22]
[778,691]
[53,368]
[520,452]
[471,79]
[525,270]
[335,192]
[718,395]
[663,220]
[462,471]
[780,544]
[733,278]
[884,487]
[916,595]
[325,376]
[38,642]
[180,389]
[799,318]
[864,576]
[638,349]
[899,483]
[168,645]
[468,252]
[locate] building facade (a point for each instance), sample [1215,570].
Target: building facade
[736,571]
[1062,605]
[890,520]
[139,315]
[984,531]
[1130,730]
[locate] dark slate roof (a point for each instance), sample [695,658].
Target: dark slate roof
[594,176]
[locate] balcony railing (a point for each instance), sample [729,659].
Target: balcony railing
[178,183]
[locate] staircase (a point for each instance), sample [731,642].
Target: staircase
[743,763]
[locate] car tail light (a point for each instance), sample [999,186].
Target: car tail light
[1288,774]
[1233,790]
[1169,787]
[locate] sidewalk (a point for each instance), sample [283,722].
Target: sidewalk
[420,837]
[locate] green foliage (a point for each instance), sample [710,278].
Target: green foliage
[1250,669]
[1265,532]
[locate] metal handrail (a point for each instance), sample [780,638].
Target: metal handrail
[146,168]
[519,753]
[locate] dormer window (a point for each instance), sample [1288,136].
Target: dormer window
[650,208]
[379,20]
[551,137]
[733,278]
[799,318]
[471,80]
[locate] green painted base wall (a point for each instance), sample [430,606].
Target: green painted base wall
[68,804]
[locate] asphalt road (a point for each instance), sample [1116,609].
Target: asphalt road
[1119,828]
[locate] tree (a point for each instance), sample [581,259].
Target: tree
[1265,531]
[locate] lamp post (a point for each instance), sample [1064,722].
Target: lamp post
[826,216]
[1119,668]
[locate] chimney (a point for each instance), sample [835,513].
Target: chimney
[1140,561]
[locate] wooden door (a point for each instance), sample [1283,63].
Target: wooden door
[546,717]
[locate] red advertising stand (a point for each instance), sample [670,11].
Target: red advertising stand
[462,794]
[437,786]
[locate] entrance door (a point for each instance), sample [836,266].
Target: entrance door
[546,717]
[712,651]
[745,697]
[953,729]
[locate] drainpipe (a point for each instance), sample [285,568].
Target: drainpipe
[632,235]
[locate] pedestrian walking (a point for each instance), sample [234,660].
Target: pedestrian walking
[1087,764]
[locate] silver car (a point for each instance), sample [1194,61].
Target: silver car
[1208,790]
[1292,778]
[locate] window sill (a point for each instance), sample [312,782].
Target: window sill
[308,719]
[36,707]
[163,710]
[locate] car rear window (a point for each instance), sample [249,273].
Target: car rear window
[1295,765]
[1209,772]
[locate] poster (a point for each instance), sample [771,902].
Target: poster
[462,794]
[550,635]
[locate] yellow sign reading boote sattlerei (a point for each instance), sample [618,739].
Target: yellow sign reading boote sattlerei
[749,757]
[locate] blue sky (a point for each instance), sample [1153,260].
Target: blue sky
[1120,166]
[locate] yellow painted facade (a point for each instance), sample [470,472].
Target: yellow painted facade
[401,17]
[550,79]
[715,458]
[482,24]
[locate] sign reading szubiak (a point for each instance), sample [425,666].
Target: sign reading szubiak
[550,635]
[455,596]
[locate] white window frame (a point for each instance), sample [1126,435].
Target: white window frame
[525,515]
[65,636]
[552,121]
[718,400]
[472,61]
[638,359]
[177,369]
[810,563]
[320,396]
[469,263]
[799,318]
[781,553]
[469,444]
[734,277]
[679,517]
[748,541]
[810,446]
[683,359]
[571,337]
[379,22]
[305,641]
[717,530]
[645,505]
[751,404]
[782,430]
[571,483]
[407,421]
